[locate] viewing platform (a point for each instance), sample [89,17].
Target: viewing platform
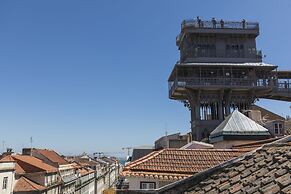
[217,27]
[220,24]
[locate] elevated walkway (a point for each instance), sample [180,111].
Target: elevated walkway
[282,90]
[277,93]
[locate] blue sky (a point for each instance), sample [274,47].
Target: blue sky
[92,75]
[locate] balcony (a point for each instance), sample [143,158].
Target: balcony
[210,83]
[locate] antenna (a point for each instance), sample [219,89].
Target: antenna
[31,146]
[31,142]
[3,144]
[166,135]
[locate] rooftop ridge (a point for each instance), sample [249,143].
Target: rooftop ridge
[141,160]
[175,161]
[41,151]
[7,158]
[44,166]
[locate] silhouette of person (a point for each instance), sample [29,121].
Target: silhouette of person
[213,22]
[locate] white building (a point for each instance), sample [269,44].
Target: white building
[7,173]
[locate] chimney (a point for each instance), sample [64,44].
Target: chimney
[8,152]
[27,151]
[255,115]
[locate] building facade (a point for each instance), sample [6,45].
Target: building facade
[7,174]
[173,141]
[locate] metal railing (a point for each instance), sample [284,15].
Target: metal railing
[219,24]
[283,87]
[197,52]
[223,82]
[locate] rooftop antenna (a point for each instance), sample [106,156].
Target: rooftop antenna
[3,144]
[31,146]
[31,140]
[166,135]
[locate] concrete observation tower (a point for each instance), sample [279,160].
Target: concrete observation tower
[221,70]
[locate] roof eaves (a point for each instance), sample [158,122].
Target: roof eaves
[143,159]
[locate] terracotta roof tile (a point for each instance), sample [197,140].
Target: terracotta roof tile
[7,158]
[264,170]
[84,171]
[178,164]
[26,185]
[19,169]
[52,156]
[28,164]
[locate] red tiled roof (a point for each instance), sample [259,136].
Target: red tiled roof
[7,158]
[265,170]
[19,169]
[84,171]
[52,156]
[76,165]
[27,164]
[178,164]
[26,185]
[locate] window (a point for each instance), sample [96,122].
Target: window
[147,185]
[5,182]
[278,127]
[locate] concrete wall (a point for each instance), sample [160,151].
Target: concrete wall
[271,127]
[101,185]
[88,189]
[134,182]
[54,190]
[226,144]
